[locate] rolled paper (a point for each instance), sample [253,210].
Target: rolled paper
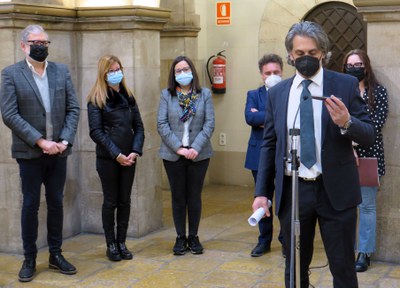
[257,215]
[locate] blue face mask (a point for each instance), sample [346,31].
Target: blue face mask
[184,79]
[114,78]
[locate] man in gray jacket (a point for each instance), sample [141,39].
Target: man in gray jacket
[39,105]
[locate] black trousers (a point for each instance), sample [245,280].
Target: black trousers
[265,225]
[337,230]
[186,179]
[116,181]
[51,172]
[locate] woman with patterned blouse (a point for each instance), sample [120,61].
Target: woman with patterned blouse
[357,63]
[185,122]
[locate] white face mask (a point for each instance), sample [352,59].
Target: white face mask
[272,80]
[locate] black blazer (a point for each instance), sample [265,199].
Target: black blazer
[340,175]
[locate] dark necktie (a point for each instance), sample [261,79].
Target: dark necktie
[307,138]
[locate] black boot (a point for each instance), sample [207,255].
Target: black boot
[112,252]
[58,262]
[180,246]
[194,245]
[124,252]
[28,270]
[362,262]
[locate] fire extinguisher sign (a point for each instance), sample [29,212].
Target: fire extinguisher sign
[223,13]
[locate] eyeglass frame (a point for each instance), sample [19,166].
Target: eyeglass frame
[44,43]
[355,65]
[112,72]
[184,69]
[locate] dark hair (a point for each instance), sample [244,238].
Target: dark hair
[172,84]
[270,58]
[370,81]
[310,30]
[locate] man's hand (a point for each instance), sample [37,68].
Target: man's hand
[338,111]
[48,147]
[61,147]
[261,201]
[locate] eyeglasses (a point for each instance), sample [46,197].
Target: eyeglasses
[184,70]
[114,71]
[355,65]
[39,43]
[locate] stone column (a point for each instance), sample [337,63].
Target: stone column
[80,36]
[179,37]
[132,34]
[383,24]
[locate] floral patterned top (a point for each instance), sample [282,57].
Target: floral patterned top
[378,117]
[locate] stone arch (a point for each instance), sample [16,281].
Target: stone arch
[277,18]
[344,26]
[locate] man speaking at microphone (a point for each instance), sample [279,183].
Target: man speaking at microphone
[329,189]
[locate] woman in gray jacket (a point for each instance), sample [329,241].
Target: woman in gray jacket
[185,123]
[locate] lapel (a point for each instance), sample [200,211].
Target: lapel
[28,76]
[282,105]
[328,91]
[51,77]
[262,96]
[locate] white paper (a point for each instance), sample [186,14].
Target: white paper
[257,215]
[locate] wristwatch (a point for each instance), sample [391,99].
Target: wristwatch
[64,142]
[347,124]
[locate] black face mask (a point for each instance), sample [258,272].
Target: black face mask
[359,72]
[307,65]
[39,53]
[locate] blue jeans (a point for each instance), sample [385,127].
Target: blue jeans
[51,172]
[367,220]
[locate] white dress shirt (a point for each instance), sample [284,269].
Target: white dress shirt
[316,88]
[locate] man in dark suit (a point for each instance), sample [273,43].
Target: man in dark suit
[39,105]
[329,189]
[270,66]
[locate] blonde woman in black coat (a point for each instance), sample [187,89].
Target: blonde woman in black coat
[117,129]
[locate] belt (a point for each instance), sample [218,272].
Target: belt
[305,179]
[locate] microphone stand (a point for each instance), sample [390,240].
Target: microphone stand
[295,221]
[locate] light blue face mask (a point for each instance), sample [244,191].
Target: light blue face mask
[114,78]
[184,79]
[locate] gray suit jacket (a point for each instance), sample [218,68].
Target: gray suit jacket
[170,127]
[23,111]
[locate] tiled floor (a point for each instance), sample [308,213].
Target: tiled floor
[227,239]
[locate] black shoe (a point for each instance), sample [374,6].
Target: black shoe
[124,252]
[57,261]
[362,262]
[28,270]
[195,245]
[180,246]
[112,252]
[260,250]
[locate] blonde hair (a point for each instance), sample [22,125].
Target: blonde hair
[98,95]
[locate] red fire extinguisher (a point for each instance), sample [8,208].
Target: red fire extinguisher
[218,81]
